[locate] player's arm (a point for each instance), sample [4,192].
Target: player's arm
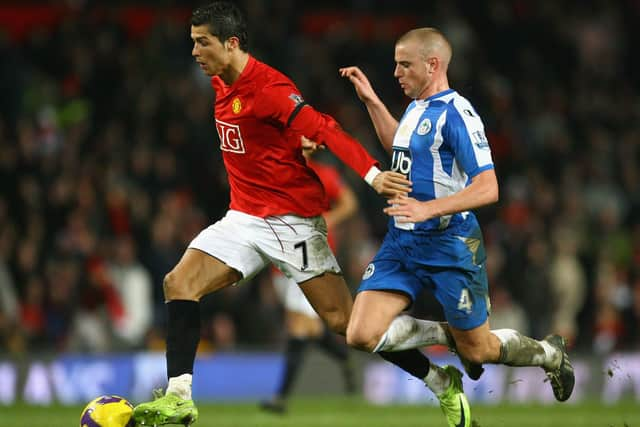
[387,183]
[383,122]
[325,130]
[283,104]
[482,191]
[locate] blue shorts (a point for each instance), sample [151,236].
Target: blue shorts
[450,263]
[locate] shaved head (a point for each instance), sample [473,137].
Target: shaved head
[431,42]
[422,59]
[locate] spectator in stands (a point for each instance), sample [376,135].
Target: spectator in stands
[133,284]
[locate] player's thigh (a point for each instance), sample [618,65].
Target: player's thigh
[298,247]
[373,311]
[387,289]
[232,240]
[197,274]
[389,272]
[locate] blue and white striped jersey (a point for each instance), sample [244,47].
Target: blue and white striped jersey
[440,145]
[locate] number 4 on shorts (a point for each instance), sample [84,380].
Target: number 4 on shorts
[464,303]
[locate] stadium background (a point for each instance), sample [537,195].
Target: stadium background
[109,166]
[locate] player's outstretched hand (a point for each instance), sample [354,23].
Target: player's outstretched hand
[391,184]
[408,209]
[360,82]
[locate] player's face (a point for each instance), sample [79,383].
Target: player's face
[209,52]
[411,69]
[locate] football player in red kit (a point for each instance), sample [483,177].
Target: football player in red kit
[276,200]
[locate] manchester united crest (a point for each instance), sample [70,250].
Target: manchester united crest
[236,105]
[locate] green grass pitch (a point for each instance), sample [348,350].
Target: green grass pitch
[353,412]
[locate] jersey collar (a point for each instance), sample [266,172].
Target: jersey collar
[435,96]
[245,72]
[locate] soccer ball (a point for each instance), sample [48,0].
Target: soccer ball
[107,411]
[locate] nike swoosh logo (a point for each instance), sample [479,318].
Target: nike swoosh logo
[180,403]
[462,418]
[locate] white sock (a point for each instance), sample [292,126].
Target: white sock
[180,386]
[437,380]
[519,350]
[552,356]
[406,332]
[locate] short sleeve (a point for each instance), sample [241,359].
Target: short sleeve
[464,133]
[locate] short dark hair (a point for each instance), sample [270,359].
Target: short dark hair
[224,19]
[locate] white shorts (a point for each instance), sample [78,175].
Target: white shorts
[291,296]
[297,246]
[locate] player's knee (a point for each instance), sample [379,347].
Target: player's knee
[175,288]
[362,340]
[169,286]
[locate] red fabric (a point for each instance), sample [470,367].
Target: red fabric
[333,187]
[261,149]
[32,318]
[324,129]
[19,20]
[119,220]
[330,179]
[100,276]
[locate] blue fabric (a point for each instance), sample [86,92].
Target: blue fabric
[440,145]
[441,261]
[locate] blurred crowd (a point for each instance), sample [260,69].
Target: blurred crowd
[109,163]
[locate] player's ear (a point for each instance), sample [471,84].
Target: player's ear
[432,64]
[232,43]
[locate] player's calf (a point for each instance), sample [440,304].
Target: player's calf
[473,369]
[336,321]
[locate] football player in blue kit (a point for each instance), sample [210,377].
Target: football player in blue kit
[434,240]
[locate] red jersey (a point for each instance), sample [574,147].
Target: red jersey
[260,119]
